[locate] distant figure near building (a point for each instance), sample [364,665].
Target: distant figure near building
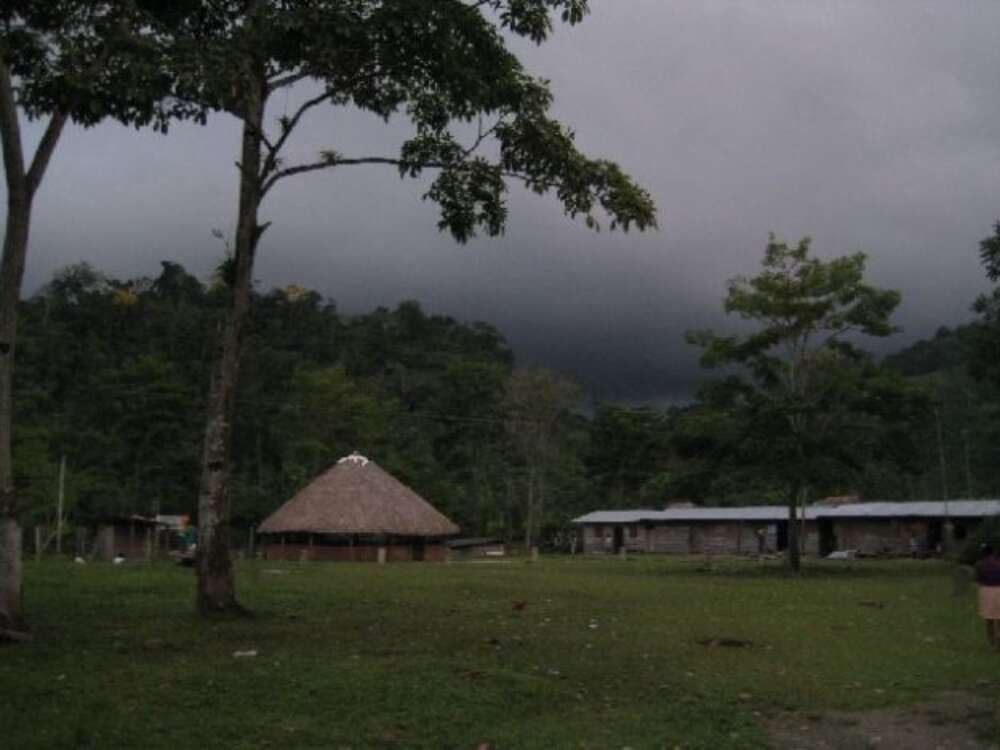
[988,578]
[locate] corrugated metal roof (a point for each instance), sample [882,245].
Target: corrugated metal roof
[935,508]
[955,508]
[616,516]
[744,513]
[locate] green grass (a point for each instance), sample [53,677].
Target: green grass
[606,654]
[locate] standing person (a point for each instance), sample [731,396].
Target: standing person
[988,578]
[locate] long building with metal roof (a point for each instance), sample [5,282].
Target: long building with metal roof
[873,528]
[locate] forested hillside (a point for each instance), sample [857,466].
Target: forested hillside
[958,441]
[113,375]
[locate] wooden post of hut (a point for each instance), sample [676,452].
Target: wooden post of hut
[81,542]
[149,543]
[38,544]
[381,554]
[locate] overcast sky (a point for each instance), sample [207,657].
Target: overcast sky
[869,125]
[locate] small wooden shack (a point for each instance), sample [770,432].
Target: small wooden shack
[133,537]
[356,511]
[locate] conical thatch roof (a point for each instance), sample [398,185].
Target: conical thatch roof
[356,496]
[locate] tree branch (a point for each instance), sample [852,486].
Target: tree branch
[342,162]
[325,164]
[482,136]
[288,124]
[43,154]
[10,134]
[292,78]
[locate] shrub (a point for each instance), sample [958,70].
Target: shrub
[988,532]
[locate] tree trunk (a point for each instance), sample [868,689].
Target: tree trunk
[15,247]
[216,586]
[794,553]
[529,515]
[21,187]
[540,508]
[12,624]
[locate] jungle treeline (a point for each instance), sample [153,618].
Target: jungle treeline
[112,378]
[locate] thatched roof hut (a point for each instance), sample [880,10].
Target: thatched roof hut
[356,502]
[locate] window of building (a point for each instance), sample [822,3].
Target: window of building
[598,531]
[633,531]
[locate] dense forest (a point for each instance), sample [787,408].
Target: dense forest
[112,378]
[113,375]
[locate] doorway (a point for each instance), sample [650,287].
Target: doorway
[827,537]
[935,538]
[619,539]
[781,540]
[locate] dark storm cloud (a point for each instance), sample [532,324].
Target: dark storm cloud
[870,126]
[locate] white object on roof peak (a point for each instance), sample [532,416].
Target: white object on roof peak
[354,458]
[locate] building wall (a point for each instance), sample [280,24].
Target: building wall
[597,539]
[869,536]
[272,550]
[717,538]
[672,538]
[873,536]
[811,539]
[116,538]
[714,538]
[600,539]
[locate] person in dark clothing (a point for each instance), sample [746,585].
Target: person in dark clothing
[988,578]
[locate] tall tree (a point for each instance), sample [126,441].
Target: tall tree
[65,60]
[806,395]
[984,351]
[537,402]
[444,66]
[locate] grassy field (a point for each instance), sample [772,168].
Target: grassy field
[604,654]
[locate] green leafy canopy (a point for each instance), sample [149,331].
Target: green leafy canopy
[91,60]
[478,118]
[806,404]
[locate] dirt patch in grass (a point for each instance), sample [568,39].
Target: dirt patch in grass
[952,721]
[725,642]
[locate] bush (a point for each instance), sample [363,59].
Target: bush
[988,532]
